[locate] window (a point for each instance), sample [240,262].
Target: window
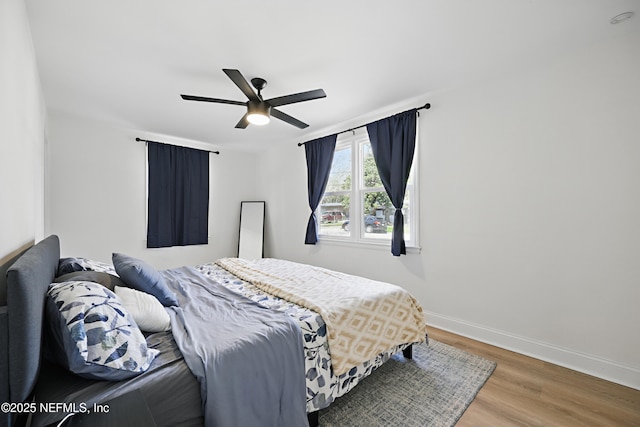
[355,206]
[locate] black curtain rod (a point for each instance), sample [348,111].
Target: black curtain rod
[157,142]
[424,107]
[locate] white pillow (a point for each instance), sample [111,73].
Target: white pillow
[146,310]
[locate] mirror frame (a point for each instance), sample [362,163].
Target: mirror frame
[251,231]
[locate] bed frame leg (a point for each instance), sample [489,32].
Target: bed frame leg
[408,352]
[313,419]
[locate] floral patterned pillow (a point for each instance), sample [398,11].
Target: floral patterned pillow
[93,335]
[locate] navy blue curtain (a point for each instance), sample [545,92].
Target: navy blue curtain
[393,143]
[319,158]
[178,205]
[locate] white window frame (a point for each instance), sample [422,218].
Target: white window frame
[357,237]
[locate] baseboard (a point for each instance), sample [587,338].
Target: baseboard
[591,365]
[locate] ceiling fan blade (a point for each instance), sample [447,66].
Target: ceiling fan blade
[243,123]
[242,83]
[287,118]
[217,100]
[296,97]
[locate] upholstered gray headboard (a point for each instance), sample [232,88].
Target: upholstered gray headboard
[4,363]
[27,282]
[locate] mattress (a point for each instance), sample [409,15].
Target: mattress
[168,375]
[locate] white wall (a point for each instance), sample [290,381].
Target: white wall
[22,123]
[98,194]
[530,204]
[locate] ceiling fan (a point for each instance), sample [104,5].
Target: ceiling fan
[259,110]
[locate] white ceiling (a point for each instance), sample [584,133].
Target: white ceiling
[127,61]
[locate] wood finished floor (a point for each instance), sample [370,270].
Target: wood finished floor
[524,391]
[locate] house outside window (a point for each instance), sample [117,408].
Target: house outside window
[355,207]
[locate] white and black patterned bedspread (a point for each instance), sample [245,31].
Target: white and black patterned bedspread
[322,386]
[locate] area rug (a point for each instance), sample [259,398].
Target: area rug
[432,389]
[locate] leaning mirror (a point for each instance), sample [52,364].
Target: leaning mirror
[251,239]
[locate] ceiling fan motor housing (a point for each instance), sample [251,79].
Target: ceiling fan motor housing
[259,107]
[258,112]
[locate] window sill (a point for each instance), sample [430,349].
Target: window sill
[379,246]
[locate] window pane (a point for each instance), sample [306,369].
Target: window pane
[378,204]
[377,211]
[371,179]
[379,215]
[334,215]
[340,175]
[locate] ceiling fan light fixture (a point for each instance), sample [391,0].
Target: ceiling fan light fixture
[259,113]
[258,119]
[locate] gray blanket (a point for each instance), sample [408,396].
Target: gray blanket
[248,359]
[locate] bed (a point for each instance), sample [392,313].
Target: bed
[314,383]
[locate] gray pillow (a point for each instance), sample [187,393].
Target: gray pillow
[92,334]
[69,265]
[141,276]
[107,280]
